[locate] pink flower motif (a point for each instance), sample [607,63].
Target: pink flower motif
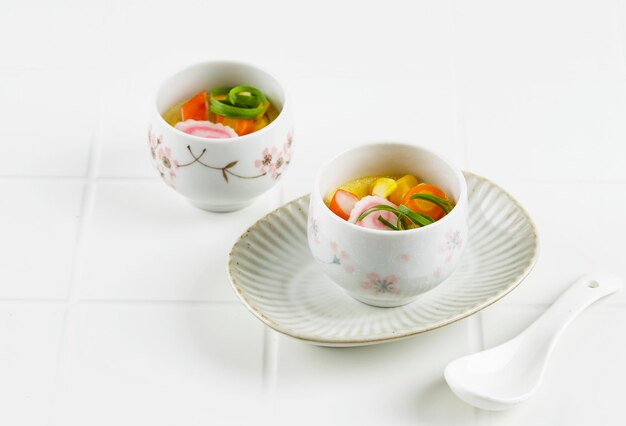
[287,147]
[271,163]
[153,143]
[452,242]
[437,273]
[379,285]
[274,162]
[404,257]
[340,257]
[164,163]
[277,167]
[314,227]
[266,161]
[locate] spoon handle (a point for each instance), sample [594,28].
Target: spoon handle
[576,298]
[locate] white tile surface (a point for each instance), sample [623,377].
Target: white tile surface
[39,225]
[160,365]
[367,385]
[584,379]
[49,119]
[295,188]
[579,231]
[29,349]
[152,33]
[532,95]
[362,38]
[554,130]
[304,50]
[145,242]
[424,112]
[123,133]
[67,33]
[538,39]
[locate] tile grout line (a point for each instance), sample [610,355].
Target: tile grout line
[460,123]
[622,24]
[123,179]
[157,303]
[77,179]
[33,302]
[189,303]
[124,302]
[66,329]
[216,303]
[475,326]
[269,363]
[86,212]
[87,206]
[477,344]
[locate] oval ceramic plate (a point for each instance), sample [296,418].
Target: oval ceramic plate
[275,276]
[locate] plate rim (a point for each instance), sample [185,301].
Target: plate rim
[343,342]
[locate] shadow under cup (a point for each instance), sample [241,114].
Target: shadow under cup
[227,174]
[380,267]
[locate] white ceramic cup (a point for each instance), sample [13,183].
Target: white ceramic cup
[379,267]
[220,175]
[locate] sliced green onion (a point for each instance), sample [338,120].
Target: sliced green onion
[375,209]
[244,101]
[401,222]
[237,105]
[387,223]
[220,91]
[445,205]
[415,217]
[404,215]
[226,110]
[236,96]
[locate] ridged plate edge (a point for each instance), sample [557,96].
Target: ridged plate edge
[515,282]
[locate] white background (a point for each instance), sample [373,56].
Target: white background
[115,308]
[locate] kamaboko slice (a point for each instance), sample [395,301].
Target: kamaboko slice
[206,129]
[371,220]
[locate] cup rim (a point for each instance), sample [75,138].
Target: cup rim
[215,141]
[429,228]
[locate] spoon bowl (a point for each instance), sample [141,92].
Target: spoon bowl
[503,376]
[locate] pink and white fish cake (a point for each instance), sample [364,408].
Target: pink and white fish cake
[205,129]
[371,220]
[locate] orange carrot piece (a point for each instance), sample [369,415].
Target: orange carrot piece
[423,206]
[195,108]
[240,126]
[342,203]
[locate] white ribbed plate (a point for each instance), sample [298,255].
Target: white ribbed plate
[275,276]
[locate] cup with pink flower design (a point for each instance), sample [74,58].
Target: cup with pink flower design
[226,174]
[381,267]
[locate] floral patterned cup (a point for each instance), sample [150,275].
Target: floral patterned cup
[221,175]
[379,267]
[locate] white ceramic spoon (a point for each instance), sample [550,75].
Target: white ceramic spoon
[499,378]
